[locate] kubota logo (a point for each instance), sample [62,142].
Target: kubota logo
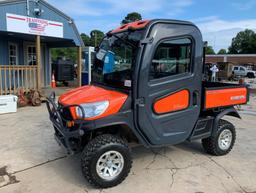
[236,98]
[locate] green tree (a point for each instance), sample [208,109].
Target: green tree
[131,17]
[96,37]
[86,39]
[71,53]
[209,50]
[243,43]
[222,51]
[67,53]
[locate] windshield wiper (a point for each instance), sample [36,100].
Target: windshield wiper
[109,34]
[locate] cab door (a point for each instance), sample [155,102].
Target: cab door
[242,71]
[169,86]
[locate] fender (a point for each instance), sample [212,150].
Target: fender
[231,111]
[121,118]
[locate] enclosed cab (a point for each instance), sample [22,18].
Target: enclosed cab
[146,88]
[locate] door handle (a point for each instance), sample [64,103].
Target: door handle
[195,98]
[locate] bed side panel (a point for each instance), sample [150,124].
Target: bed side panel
[225,97]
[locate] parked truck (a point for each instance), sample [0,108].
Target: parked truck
[242,71]
[146,88]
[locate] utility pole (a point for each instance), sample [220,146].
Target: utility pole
[28,8]
[95,39]
[93,33]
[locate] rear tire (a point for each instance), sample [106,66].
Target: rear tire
[224,140]
[250,75]
[106,161]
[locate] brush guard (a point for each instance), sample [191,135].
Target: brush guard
[67,138]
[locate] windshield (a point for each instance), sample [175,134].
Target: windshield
[115,59]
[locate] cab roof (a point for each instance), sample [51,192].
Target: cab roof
[134,26]
[137,25]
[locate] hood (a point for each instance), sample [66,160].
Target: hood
[252,71]
[90,94]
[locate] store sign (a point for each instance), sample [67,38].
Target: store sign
[30,25]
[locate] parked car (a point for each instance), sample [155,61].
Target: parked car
[243,71]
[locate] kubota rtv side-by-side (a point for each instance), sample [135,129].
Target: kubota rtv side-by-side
[147,87]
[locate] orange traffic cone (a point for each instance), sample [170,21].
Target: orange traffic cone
[53,83]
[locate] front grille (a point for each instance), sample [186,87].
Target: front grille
[67,116]
[65,113]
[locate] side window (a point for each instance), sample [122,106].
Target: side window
[172,57]
[236,68]
[242,69]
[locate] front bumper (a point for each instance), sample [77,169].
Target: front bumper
[69,138]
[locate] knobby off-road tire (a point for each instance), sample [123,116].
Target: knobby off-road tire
[215,145]
[102,148]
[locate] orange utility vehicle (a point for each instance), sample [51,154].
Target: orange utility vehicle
[147,87]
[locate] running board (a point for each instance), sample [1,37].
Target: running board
[203,128]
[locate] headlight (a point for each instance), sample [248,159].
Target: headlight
[92,109]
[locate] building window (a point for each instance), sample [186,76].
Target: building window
[172,57]
[13,54]
[31,55]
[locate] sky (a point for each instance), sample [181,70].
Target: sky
[219,20]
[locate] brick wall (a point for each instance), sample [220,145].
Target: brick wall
[236,60]
[210,59]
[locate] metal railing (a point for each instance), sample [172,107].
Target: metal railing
[15,77]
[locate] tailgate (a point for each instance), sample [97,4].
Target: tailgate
[225,96]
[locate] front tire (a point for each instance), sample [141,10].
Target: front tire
[224,140]
[106,161]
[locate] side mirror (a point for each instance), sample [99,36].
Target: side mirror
[109,34]
[96,49]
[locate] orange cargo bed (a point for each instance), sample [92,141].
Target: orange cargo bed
[223,94]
